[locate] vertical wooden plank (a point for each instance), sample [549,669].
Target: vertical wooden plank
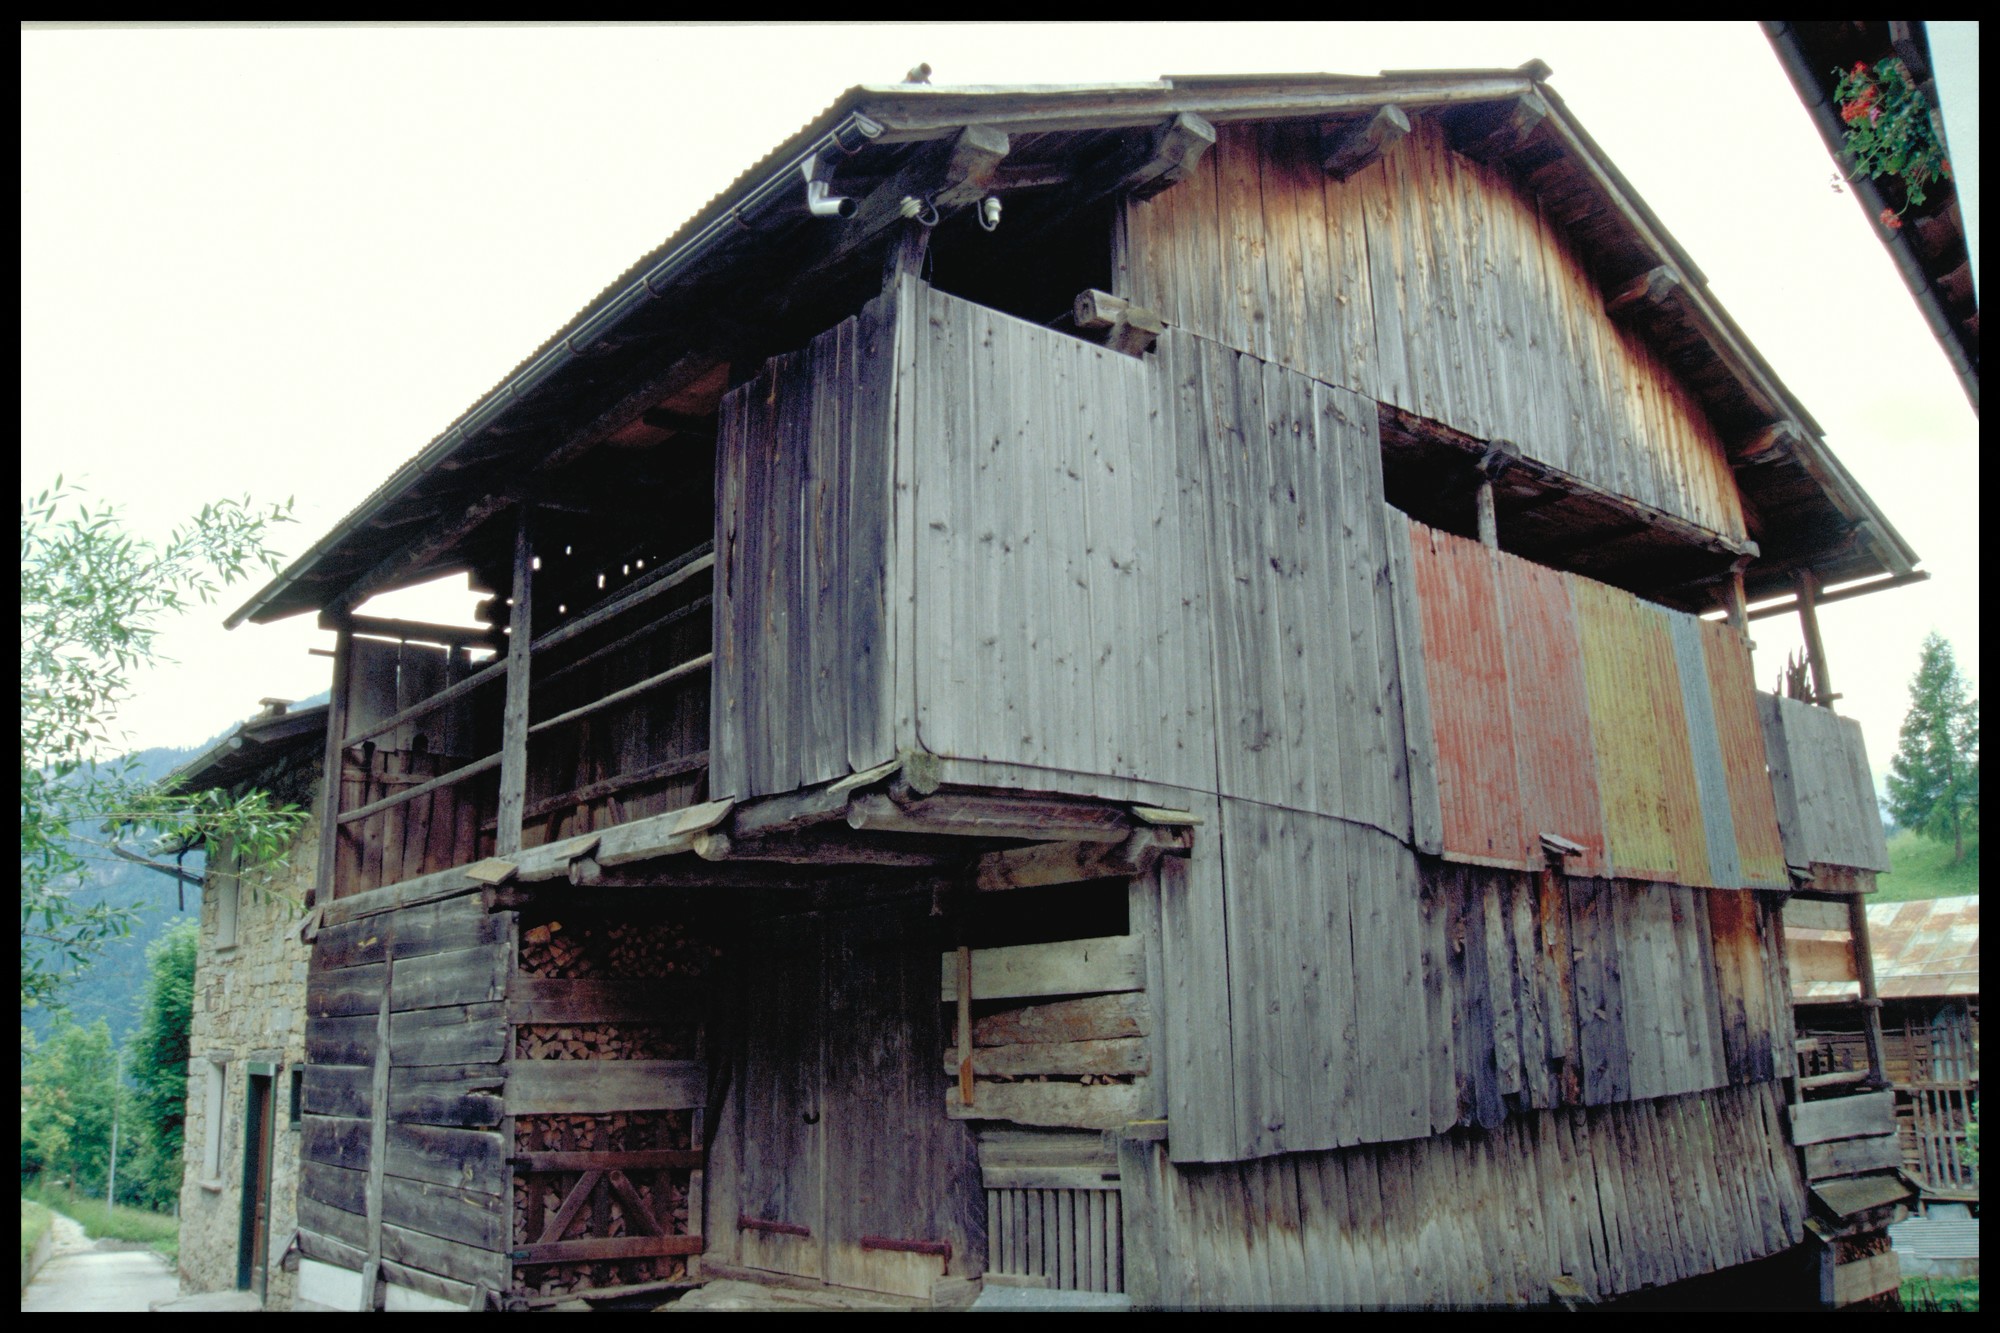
[1439,913]
[378,1138]
[1195,989]
[1246,308]
[325,887]
[514,713]
[1419,727]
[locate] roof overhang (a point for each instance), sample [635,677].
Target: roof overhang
[638,345]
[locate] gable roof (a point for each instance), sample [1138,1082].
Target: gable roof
[659,334]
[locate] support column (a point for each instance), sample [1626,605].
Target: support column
[514,718]
[1489,523]
[1808,585]
[1738,603]
[1871,999]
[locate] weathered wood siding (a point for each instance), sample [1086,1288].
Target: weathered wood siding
[1051,623]
[1438,285]
[1555,704]
[800,682]
[1825,791]
[1172,569]
[1372,996]
[1612,1198]
[405,1049]
[430,833]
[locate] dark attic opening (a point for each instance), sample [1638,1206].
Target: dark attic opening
[1033,262]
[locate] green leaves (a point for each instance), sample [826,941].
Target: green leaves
[1890,131]
[93,599]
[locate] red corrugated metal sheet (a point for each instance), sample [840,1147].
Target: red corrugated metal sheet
[1465,668]
[1553,757]
[1759,851]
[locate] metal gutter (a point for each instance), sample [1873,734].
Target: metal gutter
[594,325]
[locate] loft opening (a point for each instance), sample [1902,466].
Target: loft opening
[1434,473]
[1031,265]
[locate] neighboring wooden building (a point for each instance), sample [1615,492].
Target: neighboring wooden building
[1100,688]
[239,1196]
[1926,957]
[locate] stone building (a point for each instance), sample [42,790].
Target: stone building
[239,1193]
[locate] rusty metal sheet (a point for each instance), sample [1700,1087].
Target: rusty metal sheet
[1465,667]
[1620,674]
[1925,947]
[1556,767]
[1760,853]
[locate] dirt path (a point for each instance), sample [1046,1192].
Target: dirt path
[90,1275]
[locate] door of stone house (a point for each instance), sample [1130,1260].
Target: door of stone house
[253,1241]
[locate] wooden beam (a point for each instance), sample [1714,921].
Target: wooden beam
[1071,862]
[947,178]
[962,815]
[1487,136]
[716,845]
[1169,153]
[1129,329]
[1648,291]
[1346,151]
[415,631]
[457,775]
[681,423]
[1767,444]
[1489,523]
[617,697]
[423,551]
[514,713]
[1808,606]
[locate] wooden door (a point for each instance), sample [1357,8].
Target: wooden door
[843,1127]
[780,1129]
[252,1251]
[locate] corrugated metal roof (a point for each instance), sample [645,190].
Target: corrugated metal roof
[1926,948]
[911,113]
[1932,1238]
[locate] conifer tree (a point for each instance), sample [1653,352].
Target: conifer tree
[1934,778]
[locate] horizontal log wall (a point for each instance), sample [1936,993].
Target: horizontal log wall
[1585,1202]
[431,1197]
[1433,283]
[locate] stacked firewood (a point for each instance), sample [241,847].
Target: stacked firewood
[579,946]
[585,947]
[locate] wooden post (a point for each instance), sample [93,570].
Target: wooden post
[514,719]
[1808,586]
[378,1145]
[1738,603]
[1489,523]
[322,890]
[1871,1000]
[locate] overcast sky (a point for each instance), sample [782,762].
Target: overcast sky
[279,261]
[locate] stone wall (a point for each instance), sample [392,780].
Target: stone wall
[249,1006]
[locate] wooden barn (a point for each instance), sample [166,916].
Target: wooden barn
[1132,689]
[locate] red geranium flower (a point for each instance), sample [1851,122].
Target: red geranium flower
[1890,220]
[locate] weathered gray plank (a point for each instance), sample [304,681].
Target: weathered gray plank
[462,976]
[453,1034]
[548,1087]
[1843,1118]
[1063,967]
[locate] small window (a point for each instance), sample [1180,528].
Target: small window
[212,1108]
[298,1095]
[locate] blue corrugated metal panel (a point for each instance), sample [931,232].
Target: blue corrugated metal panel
[1711,777]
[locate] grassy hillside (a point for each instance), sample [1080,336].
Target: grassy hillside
[1922,869]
